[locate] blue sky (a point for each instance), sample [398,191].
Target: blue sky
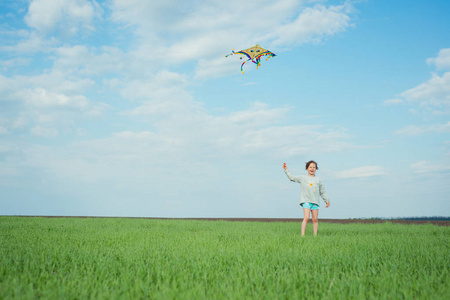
[130,108]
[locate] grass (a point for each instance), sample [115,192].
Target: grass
[113,258]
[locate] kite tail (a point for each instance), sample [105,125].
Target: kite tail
[258,58]
[270,55]
[258,62]
[232,52]
[242,66]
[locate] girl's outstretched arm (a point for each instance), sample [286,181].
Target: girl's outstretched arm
[290,176]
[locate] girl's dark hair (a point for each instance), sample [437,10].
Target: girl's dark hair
[311,162]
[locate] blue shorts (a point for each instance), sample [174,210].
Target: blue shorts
[309,205]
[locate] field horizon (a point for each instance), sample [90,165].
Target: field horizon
[437,220]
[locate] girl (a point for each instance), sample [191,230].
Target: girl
[310,187]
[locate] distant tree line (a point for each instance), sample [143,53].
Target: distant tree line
[423,219]
[440,218]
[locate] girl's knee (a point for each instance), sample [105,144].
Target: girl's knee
[315,220]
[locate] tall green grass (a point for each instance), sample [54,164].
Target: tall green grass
[113,258]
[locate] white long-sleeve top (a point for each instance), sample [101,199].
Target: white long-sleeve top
[311,188]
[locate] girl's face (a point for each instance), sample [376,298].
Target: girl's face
[311,169]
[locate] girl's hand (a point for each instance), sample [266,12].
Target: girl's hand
[328,204]
[284,166]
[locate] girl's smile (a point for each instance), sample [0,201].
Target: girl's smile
[312,170]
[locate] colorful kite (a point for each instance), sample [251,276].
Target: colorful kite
[254,54]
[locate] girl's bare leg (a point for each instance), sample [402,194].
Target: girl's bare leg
[315,219]
[306,212]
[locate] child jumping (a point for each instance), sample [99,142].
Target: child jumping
[311,188]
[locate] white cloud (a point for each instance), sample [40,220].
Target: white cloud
[67,16]
[174,152]
[53,20]
[44,132]
[393,101]
[361,172]
[44,98]
[45,85]
[442,61]
[166,104]
[162,92]
[193,18]
[185,137]
[248,132]
[28,42]
[38,103]
[46,90]
[427,167]
[414,130]
[432,96]
[180,31]
[215,68]
[19,123]
[312,25]
[82,61]
[18,61]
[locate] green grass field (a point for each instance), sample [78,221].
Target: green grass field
[118,258]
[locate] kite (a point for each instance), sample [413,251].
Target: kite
[253,54]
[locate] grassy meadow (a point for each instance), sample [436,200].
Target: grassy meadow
[119,258]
